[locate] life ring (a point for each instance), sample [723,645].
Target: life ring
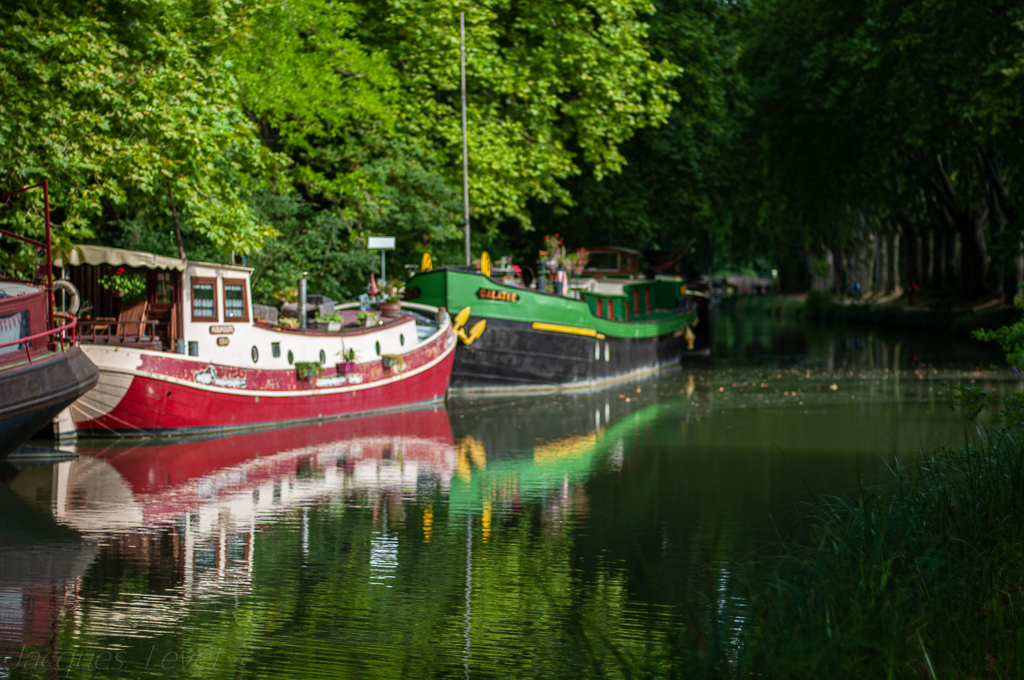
[70,296]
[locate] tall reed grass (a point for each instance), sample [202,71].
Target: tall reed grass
[921,578]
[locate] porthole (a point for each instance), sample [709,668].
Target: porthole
[323,357]
[607,351]
[597,351]
[255,354]
[291,358]
[401,339]
[378,348]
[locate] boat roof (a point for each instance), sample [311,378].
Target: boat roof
[97,255]
[621,249]
[9,289]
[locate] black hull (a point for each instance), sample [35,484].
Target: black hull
[513,356]
[33,394]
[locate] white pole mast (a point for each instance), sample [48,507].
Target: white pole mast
[465,154]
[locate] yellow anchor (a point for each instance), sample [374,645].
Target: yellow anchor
[475,332]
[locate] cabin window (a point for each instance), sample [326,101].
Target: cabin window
[611,310]
[603,262]
[13,327]
[236,307]
[636,302]
[600,307]
[647,293]
[204,300]
[164,288]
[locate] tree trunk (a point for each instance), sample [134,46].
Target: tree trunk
[839,282]
[892,238]
[927,241]
[973,255]
[882,264]
[912,251]
[1018,282]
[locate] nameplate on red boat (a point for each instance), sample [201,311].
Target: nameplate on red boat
[226,329]
[497,295]
[223,342]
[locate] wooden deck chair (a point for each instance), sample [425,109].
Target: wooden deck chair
[131,320]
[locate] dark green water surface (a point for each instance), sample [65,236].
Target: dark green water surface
[562,536]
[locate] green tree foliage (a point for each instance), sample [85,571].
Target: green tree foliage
[678,192]
[320,243]
[550,85]
[124,105]
[550,88]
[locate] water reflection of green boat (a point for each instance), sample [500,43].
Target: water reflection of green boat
[512,460]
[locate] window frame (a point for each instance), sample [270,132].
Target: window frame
[192,299]
[244,318]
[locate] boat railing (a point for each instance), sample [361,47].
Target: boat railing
[63,336]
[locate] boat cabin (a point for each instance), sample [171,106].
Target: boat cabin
[205,310]
[612,262]
[23,313]
[168,302]
[644,300]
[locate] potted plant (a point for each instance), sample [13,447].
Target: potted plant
[392,304]
[348,361]
[368,318]
[330,322]
[123,285]
[308,370]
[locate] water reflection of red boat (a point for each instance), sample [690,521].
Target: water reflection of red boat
[161,480]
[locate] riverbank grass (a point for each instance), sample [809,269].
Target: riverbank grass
[923,579]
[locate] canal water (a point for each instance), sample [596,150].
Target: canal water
[577,535]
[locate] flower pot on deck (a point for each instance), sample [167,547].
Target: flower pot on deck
[391,309]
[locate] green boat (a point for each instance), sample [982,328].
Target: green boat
[513,338]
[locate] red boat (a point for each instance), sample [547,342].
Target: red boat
[192,354]
[42,370]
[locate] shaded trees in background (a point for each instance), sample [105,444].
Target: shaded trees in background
[885,120]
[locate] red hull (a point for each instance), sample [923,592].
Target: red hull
[164,398]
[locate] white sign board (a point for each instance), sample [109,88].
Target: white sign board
[381,243]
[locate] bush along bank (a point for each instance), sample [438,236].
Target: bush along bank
[940,317]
